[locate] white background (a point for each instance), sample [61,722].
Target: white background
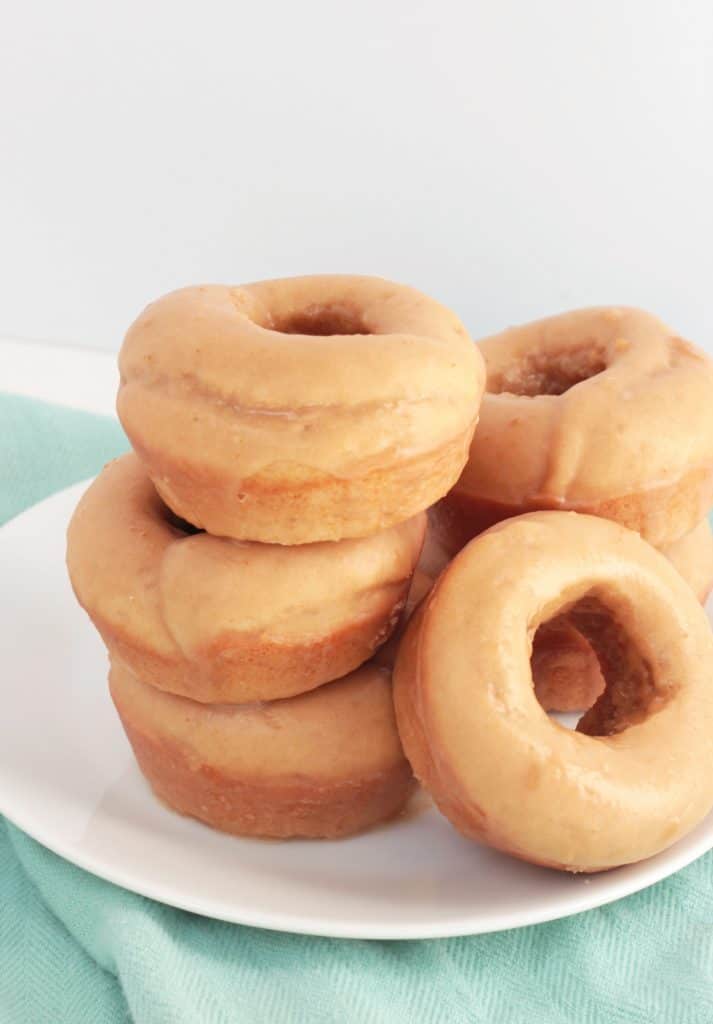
[511,158]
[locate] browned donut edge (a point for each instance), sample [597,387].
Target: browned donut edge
[300,512]
[241,668]
[252,807]
[660,514]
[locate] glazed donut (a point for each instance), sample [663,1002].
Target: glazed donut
[323,764]
[304,409]
[221,620]
[602,411]
[565,669]
[499,768]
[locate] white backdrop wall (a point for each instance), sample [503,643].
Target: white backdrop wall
[512,158]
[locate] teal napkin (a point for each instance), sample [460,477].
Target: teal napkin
[75,949]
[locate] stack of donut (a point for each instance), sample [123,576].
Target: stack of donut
[254,564]
[251,555]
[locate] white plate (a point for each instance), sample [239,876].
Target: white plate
[67,777]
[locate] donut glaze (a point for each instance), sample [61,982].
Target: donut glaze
[298,410]
[479,741]
[323,764]
[604,411]
[221,620]
[565,669]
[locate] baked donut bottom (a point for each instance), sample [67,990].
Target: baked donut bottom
[661,514]
[300,507]
[325,764]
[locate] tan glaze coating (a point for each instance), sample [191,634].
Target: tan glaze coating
[323,764]
[304,409]
[604,411]
[221,620]
[565,668]
[638,773]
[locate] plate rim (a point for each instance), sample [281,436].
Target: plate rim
[315,926]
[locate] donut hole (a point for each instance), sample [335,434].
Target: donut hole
[549,373]
[586,655]
[322,320]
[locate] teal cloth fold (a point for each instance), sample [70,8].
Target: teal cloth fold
[76,949]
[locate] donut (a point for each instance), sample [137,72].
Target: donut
[300,410]
[603,411]
[322,764]
[221,620]
[638,772]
